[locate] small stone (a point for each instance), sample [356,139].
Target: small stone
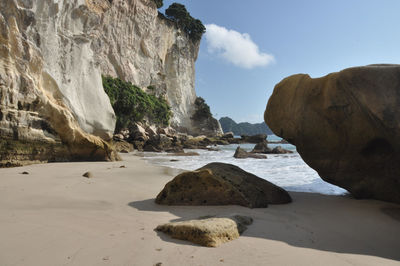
[122,166]
[158,264]
[88,175]
[210,232]
[106,258]
[25,173]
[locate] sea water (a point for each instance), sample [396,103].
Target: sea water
[285,170]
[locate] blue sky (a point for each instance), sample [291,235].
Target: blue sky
[310,36]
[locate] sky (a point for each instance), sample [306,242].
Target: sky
[252,45]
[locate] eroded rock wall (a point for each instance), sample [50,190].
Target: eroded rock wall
[52,104]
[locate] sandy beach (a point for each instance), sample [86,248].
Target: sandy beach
[54,216]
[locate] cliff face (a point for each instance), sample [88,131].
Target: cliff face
[136,45]
[52,106]
[52,56]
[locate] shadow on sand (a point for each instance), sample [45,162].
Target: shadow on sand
[329,223]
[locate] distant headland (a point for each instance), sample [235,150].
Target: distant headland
[244,128]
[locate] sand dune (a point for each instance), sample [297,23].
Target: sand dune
[54,216]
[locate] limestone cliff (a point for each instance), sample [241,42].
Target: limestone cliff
[52,105]
[52,55]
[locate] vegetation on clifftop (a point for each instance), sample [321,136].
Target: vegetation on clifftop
[131,104]
[193,27]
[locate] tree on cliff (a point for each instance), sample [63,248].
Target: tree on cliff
[159,3]
[202,110]
[177,12]
[193,27]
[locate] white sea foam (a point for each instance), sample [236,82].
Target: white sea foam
[286,170]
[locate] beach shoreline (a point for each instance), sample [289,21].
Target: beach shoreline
[55,216]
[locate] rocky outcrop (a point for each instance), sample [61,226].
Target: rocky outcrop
[164,139]
[262,147]
[208,232]
[242,154]
[208,126]
[221,184]
[346,126]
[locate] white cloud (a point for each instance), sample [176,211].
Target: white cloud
[235,47]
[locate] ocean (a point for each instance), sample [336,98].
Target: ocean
[288,171]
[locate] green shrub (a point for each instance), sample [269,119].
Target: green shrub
[193,27]
[131,104]
[202,110]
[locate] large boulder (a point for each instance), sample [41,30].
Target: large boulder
[123,146]
[161,142]
[345,125]
[151,131]
[138,133]
[208,232]
[221,184]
